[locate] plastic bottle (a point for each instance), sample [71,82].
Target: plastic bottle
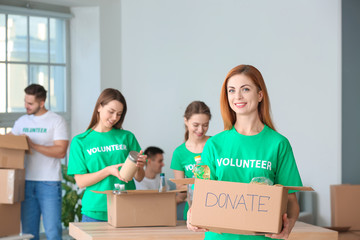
[201,170]
[119,189]
[162,186]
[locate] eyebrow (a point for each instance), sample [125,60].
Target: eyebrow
[241,86]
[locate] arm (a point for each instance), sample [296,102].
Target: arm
[140,173]
[181,196]
[289,218]
[88,179]
[58,150]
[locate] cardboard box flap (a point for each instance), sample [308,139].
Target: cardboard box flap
[133,192]
[183,180]
[14,142]
[299,188]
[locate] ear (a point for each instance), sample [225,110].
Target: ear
[99,108]
[185,121]
[260,96]
[42,104]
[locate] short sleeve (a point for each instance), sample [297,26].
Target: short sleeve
[76,163]
[208,158]
[287,173]
[134,144]
[16,128]
[60,130]
[176,161]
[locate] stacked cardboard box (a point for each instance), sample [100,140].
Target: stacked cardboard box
[345,208]
[12,182]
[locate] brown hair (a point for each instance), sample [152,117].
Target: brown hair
[106,96]
[36,90]
[196,107]
[228,115]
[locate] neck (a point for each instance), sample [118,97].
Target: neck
[246,125]
[100,128]
[41,112]
[150,174]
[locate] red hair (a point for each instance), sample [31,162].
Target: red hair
[228,115]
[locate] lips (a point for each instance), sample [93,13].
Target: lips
[240,105]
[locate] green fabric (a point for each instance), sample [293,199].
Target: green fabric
[92,151]
[239,158]
[184,160]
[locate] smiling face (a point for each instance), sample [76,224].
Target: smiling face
[198,125]
[32,105]
[109,115]
[243,95]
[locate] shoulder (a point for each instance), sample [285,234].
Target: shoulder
[180,148]
[275,136]
[220,136]
[123,132]
[55,116]
[23,118]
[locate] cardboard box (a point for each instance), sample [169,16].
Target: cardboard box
[345,207]
[141,208]
[239,208]
[12,188]
[10,219]
[12,151]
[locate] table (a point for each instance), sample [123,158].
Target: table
[94,231]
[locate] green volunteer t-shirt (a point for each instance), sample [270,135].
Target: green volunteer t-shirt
[184,160]
[92,151]
[239,158]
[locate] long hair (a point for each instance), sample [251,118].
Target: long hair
[195,107]
[228,115]
[106,96]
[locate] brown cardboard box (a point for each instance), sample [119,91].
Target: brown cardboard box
[12,185]
[10,219]
[141,208]
[345,207]
[240,208]
[12,151]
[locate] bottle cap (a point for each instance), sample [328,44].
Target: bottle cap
[162,174]
[133,156]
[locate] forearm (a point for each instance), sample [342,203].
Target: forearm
[140,174]
[50,151]
[88,179]
[293,210]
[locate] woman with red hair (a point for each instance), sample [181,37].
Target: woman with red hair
[249,137]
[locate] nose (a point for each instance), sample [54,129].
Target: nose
[239,95]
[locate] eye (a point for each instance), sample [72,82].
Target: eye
[231,90]
[119,114]
[246,89]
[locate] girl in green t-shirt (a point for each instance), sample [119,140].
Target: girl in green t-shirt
[250,147]
[97,154]
[196,118]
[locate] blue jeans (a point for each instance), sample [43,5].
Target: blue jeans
[89,219]
[42,198]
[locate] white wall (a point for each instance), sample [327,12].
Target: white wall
[85,65]
[174,52]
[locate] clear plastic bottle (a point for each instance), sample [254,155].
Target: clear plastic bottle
[201,170]
[119,189]
[162,186]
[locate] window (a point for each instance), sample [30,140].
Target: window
[33,49]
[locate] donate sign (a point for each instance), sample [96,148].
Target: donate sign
[241,202]
[230,207]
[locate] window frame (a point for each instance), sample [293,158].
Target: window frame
[7,119]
